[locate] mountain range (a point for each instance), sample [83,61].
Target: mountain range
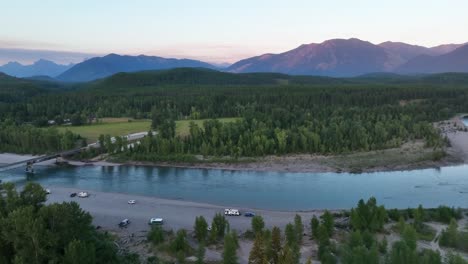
[455,61]
[335,58]
[100,67]
[352,57]
[38,68]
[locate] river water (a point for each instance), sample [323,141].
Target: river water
[264,190]
[465,120]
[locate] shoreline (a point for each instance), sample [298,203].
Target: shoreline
[308,164]
[108,208]
[261,168]
[409,156]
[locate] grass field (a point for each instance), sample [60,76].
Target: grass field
[111,126]
[124,126]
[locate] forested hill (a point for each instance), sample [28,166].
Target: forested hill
[203,76]
[277,113]
[15,89]
[208,77]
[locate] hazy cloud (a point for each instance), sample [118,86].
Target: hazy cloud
[28,56]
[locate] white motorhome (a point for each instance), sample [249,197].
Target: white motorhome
[156,221]
[83,194]
[233,212]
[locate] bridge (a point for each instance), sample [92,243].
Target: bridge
[31,161]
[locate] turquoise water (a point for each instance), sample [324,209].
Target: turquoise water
[465,120]
[265,190]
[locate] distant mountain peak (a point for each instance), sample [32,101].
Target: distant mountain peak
[38,68]
[44,62]
[13,63]
[335,57]
[110,55]
[339,57]
[100,67]
[454,61]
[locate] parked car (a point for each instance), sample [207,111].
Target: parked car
[83,194]
[156,221]
[47,191]
[72,194]
[131,201]
[231,212]
[249,214]
[124,223]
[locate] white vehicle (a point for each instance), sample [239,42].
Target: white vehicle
[231,212]
[131,201]
[47,191]
[156,221]
[83,194]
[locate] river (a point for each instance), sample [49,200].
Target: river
[465,120]
[263,190]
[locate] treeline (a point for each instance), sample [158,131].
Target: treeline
[325,116]
[360,240]
[435,101]
[32,140]
[32,232]
[454,238]
[287,132]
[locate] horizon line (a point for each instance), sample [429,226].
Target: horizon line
[203,58]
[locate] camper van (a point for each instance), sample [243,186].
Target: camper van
[156,221]
[83,194]
[231,212]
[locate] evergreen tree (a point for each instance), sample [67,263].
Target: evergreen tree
[180,244]
[200,254]
[156,235]
[368,216]
[419,216]
[328,222]
[230,248]
[410,237]
[220,225]
[314,225]
[275,245]
[449,237]
[299,227]
[258,252]
[257,224]
[201,229]
[286,256]
[291,235]
[78,252]
[401,253]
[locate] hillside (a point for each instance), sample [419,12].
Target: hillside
[100,67]
[455,61]
[337,57]
[405,52]
[14,89]
[342,58]
[199,77]
[202,76]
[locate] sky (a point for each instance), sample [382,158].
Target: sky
[221,30]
